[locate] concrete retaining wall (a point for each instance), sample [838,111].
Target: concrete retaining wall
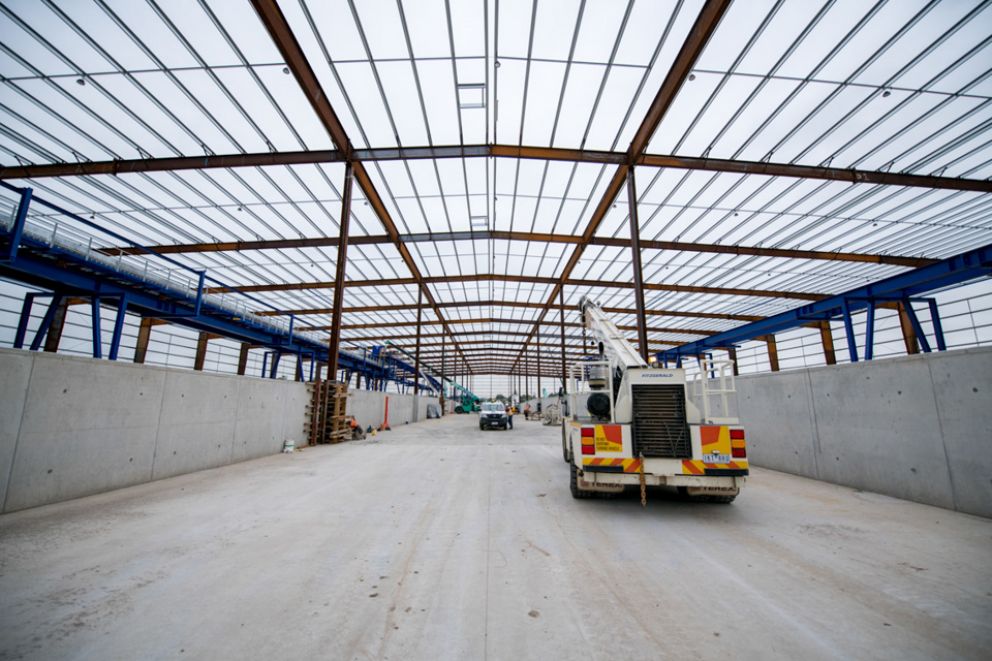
[72,427]
[369,407]
[918,427]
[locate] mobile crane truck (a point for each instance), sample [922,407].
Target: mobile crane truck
[630,424]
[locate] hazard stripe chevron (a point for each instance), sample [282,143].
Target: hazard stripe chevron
[625,465]
[697,467]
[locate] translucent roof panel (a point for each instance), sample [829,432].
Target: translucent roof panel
[395,69]
[582,74]
[490,141]
[900,86]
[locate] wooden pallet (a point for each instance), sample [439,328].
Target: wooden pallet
[328,422]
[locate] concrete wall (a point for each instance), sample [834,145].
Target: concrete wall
[369,407]
[71,427]
[918,427]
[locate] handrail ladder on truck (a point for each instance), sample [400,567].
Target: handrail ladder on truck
[630,424]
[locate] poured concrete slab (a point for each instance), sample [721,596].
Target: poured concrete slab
[439,541]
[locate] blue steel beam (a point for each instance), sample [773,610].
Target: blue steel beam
[115,340]
[19,219]
[95,322]
[46,321]
[22,322]
[955,270]
[52,267]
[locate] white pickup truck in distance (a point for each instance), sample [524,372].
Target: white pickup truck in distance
[492,416]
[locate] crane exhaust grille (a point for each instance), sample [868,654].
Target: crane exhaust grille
[659,425]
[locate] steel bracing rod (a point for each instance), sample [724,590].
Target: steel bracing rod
[684,246]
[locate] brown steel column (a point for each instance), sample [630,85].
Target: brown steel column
[144,334]
[416,360]
[635,265]
[539,368]
[335,339]
[772,351]
[908,334]
[827,339]
[243,359]
[526,372]
[732,354]
[561,302]
[54,335]
[201,351]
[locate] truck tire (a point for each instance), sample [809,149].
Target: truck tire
[573,484]
[482,427]
[564,446]
[723,500]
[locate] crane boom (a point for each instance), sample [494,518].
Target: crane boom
[615,345]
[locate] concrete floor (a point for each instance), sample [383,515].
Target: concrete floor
[443,542]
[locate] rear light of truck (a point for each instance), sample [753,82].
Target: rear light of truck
[588,444]
[737,449]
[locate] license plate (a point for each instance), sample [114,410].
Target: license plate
[716,458]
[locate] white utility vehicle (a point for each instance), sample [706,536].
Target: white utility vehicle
[629,424]
[492,415]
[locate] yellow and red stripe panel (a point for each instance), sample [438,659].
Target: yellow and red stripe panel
[700,467]
[603,465]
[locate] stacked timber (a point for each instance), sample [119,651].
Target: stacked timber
[328,422]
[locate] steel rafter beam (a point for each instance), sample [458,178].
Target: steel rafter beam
[618,242]
[572,340]
[498,277]
[281,33]
[492,320]
[510,304]
[704,25]
[677,162]
[262,159]
[360,339]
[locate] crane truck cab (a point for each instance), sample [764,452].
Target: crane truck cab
[631,424]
